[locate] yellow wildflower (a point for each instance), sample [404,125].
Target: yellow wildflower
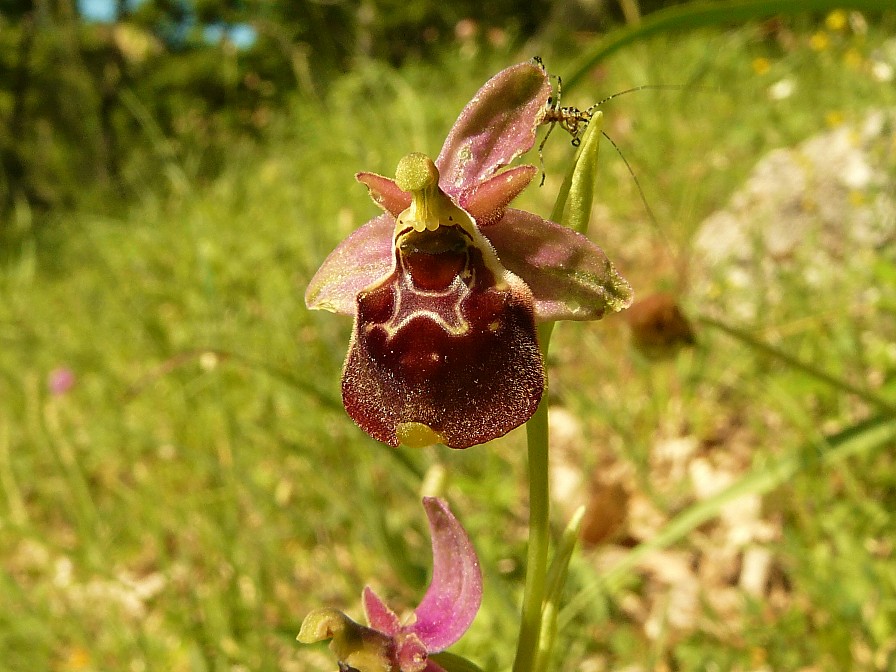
[853,58]
[77,658]
[819,41]
[761,65]
[833,118]
[836,20]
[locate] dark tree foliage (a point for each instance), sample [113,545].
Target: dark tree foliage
[90,110]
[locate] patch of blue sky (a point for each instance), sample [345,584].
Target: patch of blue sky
[241,35]
[101,11]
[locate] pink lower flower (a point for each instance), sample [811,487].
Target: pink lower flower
[446,612]
[446,286]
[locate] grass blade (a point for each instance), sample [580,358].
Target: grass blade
[702,14]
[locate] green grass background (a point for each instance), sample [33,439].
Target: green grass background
[200,489]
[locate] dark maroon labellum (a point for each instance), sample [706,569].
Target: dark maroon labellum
[443,342]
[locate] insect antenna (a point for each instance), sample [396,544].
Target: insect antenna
[642,87]
[650,214]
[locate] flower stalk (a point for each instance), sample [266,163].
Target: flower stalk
[539,535]
[572,209]
[454,295]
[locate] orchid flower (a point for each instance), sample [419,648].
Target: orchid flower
[446,287]
[446,612]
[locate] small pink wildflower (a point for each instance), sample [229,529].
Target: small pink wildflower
[60,381]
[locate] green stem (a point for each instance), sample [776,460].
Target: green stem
[694,15]
[572,209]
[539,530]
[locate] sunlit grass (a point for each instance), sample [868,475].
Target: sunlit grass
[200,489]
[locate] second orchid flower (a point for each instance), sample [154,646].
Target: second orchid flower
[443,616]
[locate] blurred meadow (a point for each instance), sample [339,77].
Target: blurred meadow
[179,484]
